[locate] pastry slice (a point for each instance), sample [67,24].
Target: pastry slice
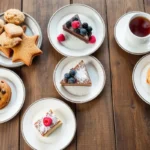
[148,76]
[78,76]
[47,124]
[79,30]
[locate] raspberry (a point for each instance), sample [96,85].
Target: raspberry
[75,24]
[92,39]
[61,37]
[47,121]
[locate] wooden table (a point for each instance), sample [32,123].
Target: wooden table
[117,118]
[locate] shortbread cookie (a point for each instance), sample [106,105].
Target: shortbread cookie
[7,51]
[26,50]
[7,42]
[14,16]
[5,94]
[13,30]
[1,26]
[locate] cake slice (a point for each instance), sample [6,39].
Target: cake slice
[47,124]
[79,30]
[78,76]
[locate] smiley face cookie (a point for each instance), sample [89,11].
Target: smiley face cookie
[5,94]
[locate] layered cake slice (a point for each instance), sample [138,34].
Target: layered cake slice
[78,76]
[47,124]
[79,30]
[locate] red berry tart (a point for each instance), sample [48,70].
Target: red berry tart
[47,124]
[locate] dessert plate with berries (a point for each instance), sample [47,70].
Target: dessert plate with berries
[79,79]
[76,30]
[48,124]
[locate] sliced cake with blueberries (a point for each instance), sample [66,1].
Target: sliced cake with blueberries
[80,30]
[78,76]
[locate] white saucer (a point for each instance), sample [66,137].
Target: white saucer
[80,94]
[73,46]
[33,28]
[139,78]
[121,38]
[17,97]
[60,138]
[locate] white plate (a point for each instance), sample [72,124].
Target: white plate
[17,97]
[80,94]
[33,28]
[73,46]
[139,78]
[121,37]
[60,138]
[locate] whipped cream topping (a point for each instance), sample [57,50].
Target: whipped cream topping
[40,125]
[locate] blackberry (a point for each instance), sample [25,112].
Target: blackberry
[85,25]
[68,24]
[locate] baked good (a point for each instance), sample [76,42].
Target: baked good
[79,30]
[24,27]
[7,42]
[14,16]
[26,50]
[6,51]
[47,124]
[148,76]
[1,26]
[5,94]
[13,30]
[78,76]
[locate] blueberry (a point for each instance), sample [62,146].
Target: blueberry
[75,19]
[77,30]
[85,25]
[83,31]
[67,76]
[71,80]
[89,29]
[68,24]
[72,73]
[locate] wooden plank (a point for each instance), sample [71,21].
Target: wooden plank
[95,119]
[38,78]
[131,113]
[10,129]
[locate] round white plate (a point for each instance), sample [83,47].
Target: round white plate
[33,28]
[61,137]
[73,46]
[122,40]
[17,97]
[80,94]
[139,78]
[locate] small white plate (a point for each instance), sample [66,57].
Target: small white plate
[33,28]
[80,94]
[17,97]
[121,37]
[139,78]
[73,46]
[60,138]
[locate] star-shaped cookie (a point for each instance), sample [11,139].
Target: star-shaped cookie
[6,51]
[26,50]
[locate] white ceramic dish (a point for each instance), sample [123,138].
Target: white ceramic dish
[79,94]
[73,46]
[139,78]
[60,138]
[33,28]
[17,97]
[120,33]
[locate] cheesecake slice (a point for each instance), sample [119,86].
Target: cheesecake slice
[47,124]
[78,76]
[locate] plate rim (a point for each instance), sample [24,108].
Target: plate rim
[79,102]
[38,45]
[76,4]
[130,12]
[133,73]
[46,98]
[24,91]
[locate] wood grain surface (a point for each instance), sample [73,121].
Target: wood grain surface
[117,119]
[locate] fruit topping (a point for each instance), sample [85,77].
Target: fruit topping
[61,37]
[68,24]
[75,24]
[89,29]
[75,19]
[92,39]
[89,34]
[72,72]
[85,25]
[77,30]
[71,80]
[83,31]
[47,121]
[67,76]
